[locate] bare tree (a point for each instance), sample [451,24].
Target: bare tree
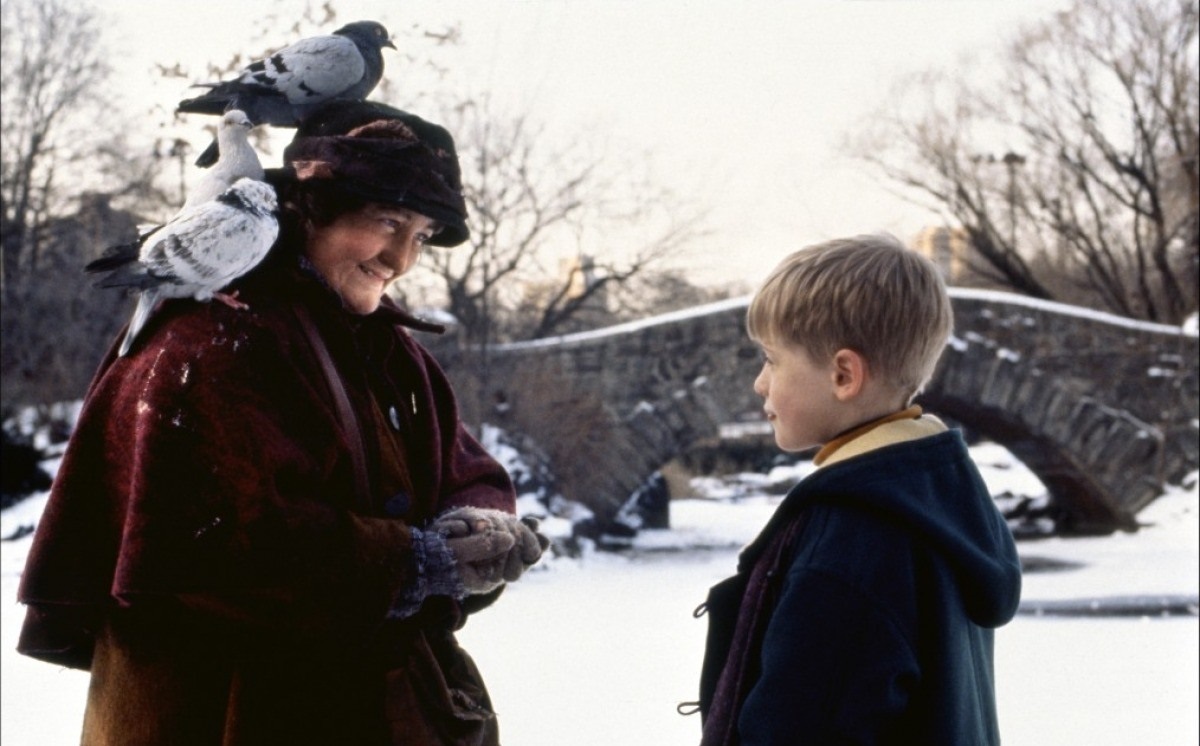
[52,75]
[531,267]
[51,65]
[611,285]
[57,327]
[67,184]
[1075,173]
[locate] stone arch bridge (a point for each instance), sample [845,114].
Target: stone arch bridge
[1102,408]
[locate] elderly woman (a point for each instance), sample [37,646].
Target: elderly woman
[270,522]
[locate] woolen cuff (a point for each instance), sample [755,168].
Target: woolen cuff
[434,572]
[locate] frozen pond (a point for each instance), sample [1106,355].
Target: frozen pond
[598,651]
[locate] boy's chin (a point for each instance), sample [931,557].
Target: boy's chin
[789,447]
[793,445]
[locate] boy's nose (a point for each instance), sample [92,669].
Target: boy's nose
[760,386]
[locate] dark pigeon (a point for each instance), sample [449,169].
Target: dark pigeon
[287,86]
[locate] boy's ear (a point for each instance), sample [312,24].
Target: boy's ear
[850,374]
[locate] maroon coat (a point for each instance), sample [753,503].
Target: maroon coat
[204,552]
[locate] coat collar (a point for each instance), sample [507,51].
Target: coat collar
[909,424]
[311,288]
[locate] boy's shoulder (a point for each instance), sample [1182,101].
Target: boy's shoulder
[901,486]
[896,486]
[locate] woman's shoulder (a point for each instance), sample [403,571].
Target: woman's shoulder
[216,329]
[190,346]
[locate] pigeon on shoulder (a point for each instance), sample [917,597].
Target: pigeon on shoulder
[201,250]
[238,159]
[282,89]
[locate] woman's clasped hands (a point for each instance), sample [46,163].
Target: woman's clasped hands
[490,547]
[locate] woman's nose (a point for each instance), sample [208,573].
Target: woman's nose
[403,252]
[760,384]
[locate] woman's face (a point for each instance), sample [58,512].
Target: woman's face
[360,253]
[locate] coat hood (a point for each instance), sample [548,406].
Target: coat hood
[942,499]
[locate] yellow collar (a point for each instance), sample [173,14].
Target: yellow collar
[898,427]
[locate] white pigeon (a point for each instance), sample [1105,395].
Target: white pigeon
[283,88]
[238,159]
[201,250]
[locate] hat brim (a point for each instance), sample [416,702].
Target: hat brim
[454,230]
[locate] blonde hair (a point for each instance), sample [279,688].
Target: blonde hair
[868,294]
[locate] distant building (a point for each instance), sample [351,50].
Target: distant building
[582,276]
[585,282]
[947,248]
[578,290]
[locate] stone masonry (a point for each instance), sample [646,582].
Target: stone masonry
[1103,409]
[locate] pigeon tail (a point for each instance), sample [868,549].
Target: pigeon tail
[132,275]
[141,314]
[262,105]
[210,156]
[114,257]
[211,103]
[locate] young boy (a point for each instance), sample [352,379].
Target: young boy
[864,611]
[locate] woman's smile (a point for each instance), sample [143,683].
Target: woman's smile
[383,275]
[361,252]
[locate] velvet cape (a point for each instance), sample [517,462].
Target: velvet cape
[204,527]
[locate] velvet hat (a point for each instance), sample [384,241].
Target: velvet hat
[382,154]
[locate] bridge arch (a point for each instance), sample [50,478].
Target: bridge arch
[1101,408]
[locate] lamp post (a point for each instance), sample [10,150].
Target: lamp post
[180,149]
[1011,160]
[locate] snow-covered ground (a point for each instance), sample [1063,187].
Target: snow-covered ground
[599,650]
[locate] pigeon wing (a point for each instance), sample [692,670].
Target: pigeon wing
[245,242]
[207,248]
[311,70]
[179,254]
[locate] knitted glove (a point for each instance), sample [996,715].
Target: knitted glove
[527,544]
[481,542]
[528,547]
[435,572]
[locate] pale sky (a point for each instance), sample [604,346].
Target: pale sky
[739,106]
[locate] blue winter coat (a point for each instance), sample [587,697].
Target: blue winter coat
[881,626]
